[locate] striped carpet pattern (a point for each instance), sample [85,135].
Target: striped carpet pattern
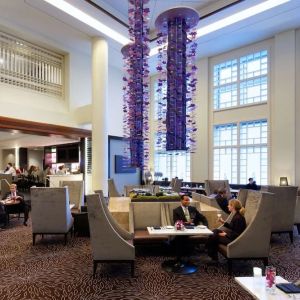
[51,270]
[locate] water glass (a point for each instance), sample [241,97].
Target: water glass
[270,278]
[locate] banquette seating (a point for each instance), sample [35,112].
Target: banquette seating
[254,242]
[142,215]
[108,246]
[50,211]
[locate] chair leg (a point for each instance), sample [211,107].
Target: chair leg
[94,268]
[291,236]
[33,239]
[298,228]
[229,264]
[66,238]
[266,261]
[132,268]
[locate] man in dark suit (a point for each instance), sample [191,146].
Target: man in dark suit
[19,205]
[188,214]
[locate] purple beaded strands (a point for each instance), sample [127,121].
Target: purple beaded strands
[176,107]
[136,85]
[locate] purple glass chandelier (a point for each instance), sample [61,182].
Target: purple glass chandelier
[136,85]
[177,78]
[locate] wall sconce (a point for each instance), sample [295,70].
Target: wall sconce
[283,181]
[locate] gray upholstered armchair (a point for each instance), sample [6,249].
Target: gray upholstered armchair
[112,190]
[283,209]
[213,185]
[254,242]
[122,232]
[5,187]
[297,213]
[76,192]
[107,244]
[50,211]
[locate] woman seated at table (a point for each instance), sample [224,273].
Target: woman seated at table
[15,198]
[229,231]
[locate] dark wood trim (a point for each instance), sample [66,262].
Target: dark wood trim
[30,127]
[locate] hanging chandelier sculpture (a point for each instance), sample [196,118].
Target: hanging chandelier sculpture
[177,78]
[136,85]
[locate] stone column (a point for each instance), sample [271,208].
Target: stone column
[99,114]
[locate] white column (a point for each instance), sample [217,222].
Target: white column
[297,110]
[99,114]
[200,159]
[282,105]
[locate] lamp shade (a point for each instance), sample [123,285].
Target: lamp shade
[283,181]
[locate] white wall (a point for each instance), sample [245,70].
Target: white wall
[35,158]
[8,155]
[115,102]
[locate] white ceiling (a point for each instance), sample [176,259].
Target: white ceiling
[10,140]
[37,21]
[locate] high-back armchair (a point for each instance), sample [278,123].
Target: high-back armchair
[112,190]
[297,212]
[283,209]
[254,242]
[76,192]
[213,185]
[50,211]
[107,244]
[8,177]
[177,185]
[121,231]
[5,187]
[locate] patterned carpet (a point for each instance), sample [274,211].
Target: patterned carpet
[51,270]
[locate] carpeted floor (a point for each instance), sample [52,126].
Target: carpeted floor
[51,270]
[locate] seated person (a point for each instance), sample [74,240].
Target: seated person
[19,201]
[188,214]
[222,200]
[251,185]
[229,231]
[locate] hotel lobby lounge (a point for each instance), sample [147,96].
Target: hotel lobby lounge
[62,84]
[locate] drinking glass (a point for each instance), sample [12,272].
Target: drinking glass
[270,278]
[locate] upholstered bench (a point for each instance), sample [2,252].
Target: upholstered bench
[142,215]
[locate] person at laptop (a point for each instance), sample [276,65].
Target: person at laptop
[188,214]
[17,200]
[222,200]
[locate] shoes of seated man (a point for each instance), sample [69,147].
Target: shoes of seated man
[25,223]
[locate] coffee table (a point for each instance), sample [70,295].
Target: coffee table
[256,287]
[178,266]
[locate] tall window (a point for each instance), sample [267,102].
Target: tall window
[241,81]
[172,163]
[241,151]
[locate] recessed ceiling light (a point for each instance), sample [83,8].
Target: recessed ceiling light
[232,19]
[88,20]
